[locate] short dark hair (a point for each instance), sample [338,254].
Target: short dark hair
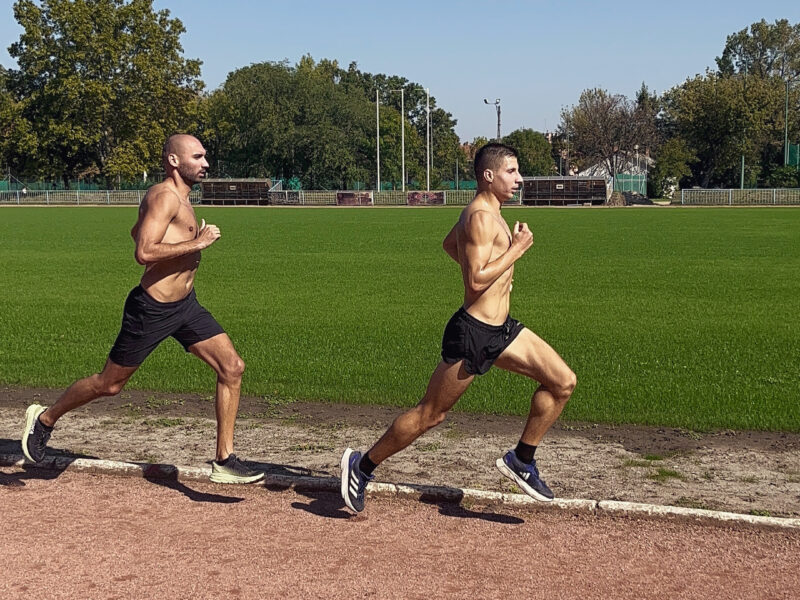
[491,157]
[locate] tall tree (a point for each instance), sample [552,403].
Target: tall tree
[18,143]
[605,128]
[102,82]
[535,152]
[764,50]
[724,118]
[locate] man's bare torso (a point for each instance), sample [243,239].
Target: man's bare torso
[172,279]
[492,304]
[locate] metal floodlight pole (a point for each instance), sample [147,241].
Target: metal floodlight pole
[497,106]
[402,135]
[786,127]
[428,136]
[378,136]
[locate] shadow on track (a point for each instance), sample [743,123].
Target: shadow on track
[323,504]
[450,508]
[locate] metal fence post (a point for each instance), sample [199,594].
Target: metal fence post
[108,197]
[78,196]
[730,197]
[47,197]
[17,196]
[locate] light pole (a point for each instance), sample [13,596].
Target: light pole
[497,105]
[786,124]
[428,137]
[378,136]
[402,136]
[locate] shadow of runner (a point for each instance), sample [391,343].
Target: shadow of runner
[52,466]
[167,476]
[452,508]
[29,472]
[323,504]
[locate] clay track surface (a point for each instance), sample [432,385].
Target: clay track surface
[80,535]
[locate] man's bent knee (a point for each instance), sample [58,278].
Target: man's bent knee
[566,386]
[430,419]
[110,388]
[232,370]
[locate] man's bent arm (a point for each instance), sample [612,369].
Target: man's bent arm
[450,243]
[481,273]
[160,210]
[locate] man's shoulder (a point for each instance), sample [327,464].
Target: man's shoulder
[161,195]
[478,212]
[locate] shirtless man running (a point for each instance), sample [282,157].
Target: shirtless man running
[479,334]
[168,244]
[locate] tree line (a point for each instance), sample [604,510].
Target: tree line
[99,84]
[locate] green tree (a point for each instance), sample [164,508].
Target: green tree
[764,50]
[535,152]
[672,166]
[316,121]
[723,118]
[18,143]
[102,82]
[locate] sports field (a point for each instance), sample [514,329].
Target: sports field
[675,317]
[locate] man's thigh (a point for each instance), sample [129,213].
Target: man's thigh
[218,351]
[531,356]
[447,384]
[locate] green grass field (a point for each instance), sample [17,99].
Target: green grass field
[673,317]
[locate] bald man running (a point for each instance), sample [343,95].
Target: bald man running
[168,244]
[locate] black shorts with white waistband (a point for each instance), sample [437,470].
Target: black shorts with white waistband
[477,343]
[146,323]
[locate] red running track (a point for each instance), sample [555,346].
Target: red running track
[77,535]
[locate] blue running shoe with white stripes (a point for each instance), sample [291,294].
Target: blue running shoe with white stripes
[526,476]
[354,482]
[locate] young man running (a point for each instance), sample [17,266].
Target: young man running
[168,244]
[479,334]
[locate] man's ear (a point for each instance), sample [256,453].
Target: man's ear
[488,175]
[172,159]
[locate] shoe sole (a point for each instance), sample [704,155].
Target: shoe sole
[345,464]
[225,478]
[523,485]
[33,412]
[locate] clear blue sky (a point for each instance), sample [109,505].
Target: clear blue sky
[536,55]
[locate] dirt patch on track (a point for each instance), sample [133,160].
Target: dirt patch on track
[746,472]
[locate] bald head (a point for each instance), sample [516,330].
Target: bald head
[184,154]
[176,144]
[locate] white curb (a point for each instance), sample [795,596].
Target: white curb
[434,493]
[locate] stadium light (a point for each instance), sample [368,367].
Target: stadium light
[786,124]
[402,135]
[497,106]
[427,135]
[378,136]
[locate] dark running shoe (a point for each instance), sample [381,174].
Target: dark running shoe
[234,471]
[526,476]
[36,435]
[354,482]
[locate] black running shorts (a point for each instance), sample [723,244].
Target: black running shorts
[477,343]
[147,322]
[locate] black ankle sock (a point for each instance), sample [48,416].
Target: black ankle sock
[366,465]
[46,428]
[525,452]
